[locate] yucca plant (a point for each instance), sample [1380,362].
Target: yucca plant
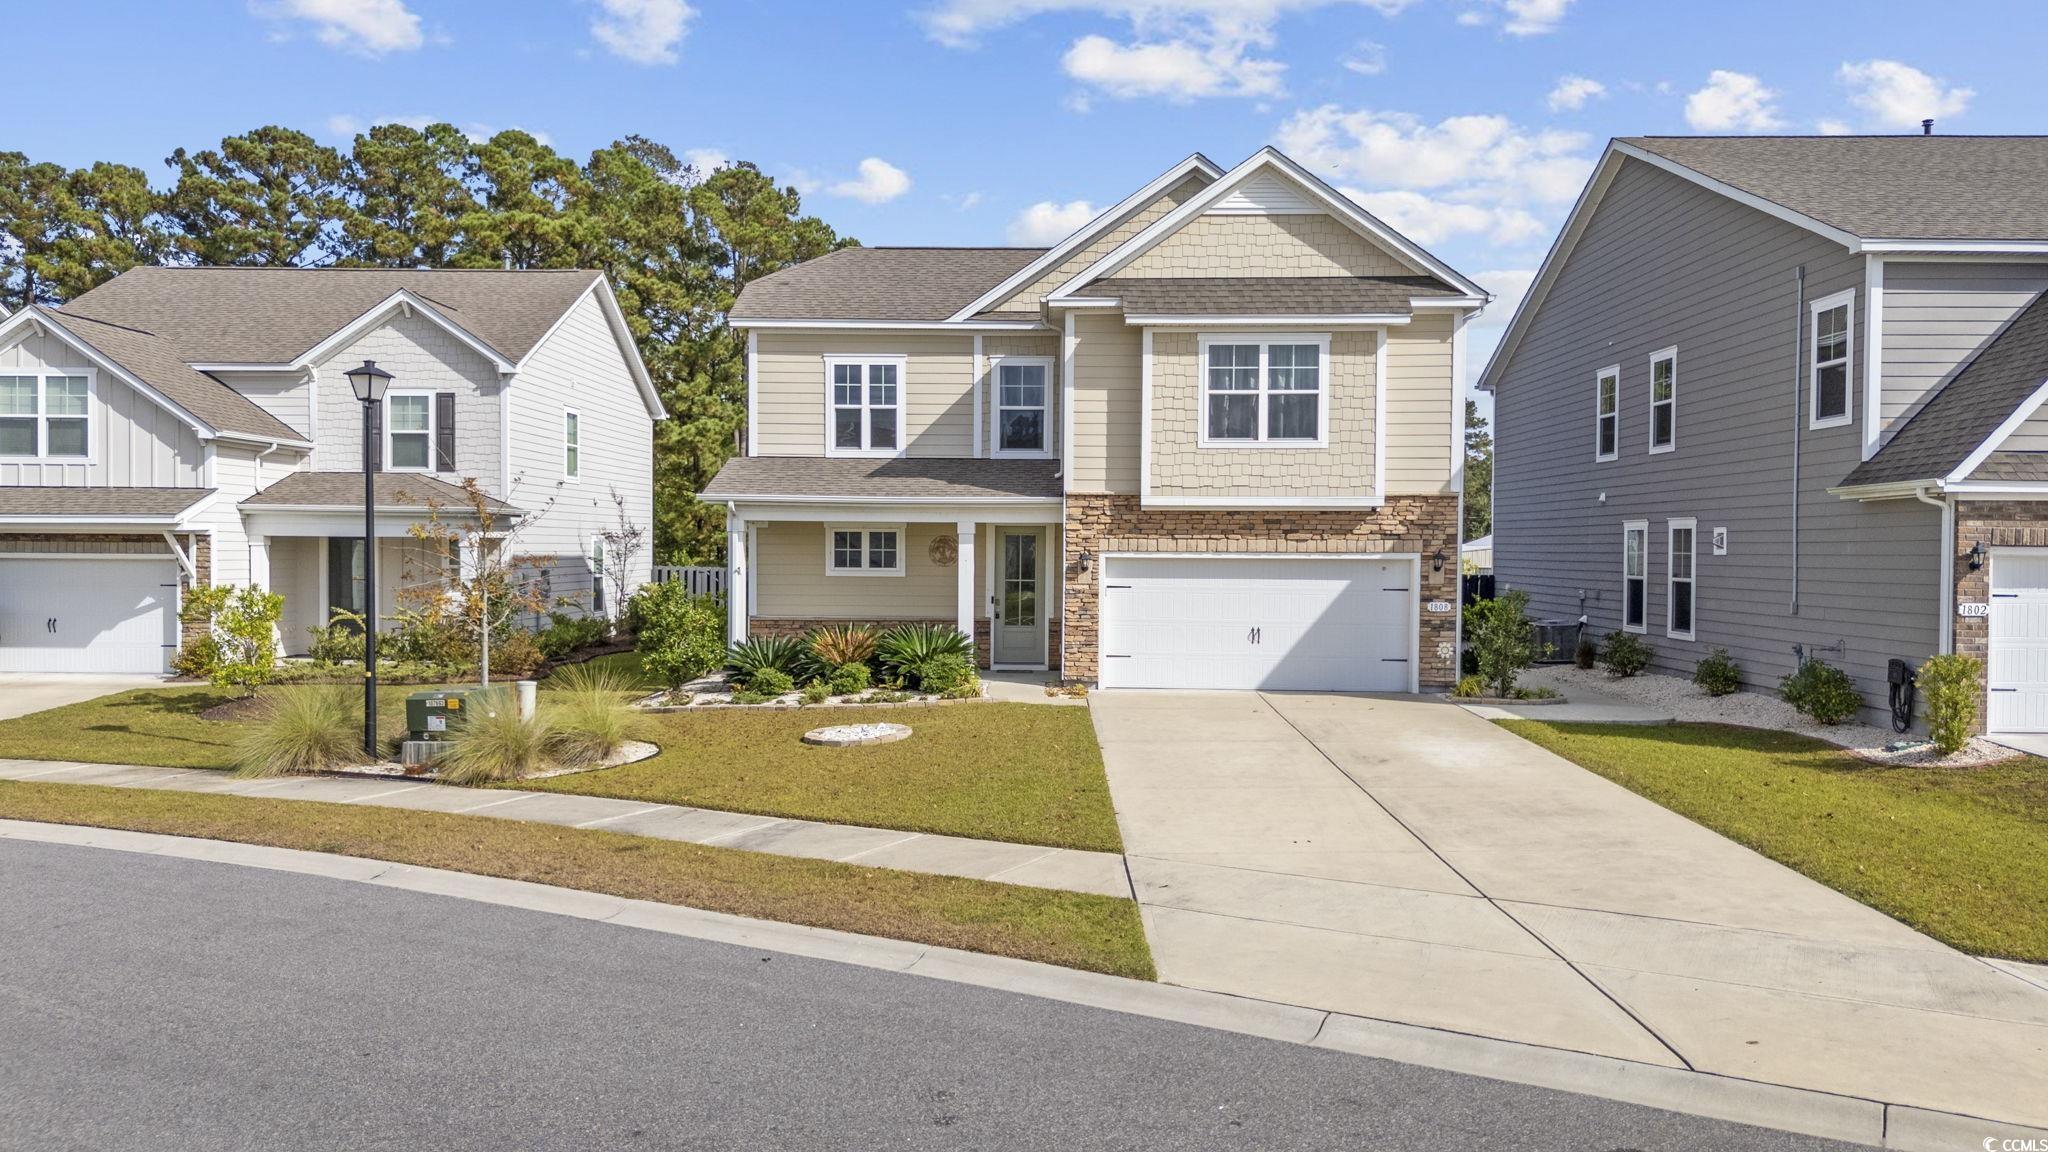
[789,654]
[494,742]
[902,649]
[309,729]
[837,645]
[590,713]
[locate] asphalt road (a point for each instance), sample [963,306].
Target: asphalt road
[160,1004]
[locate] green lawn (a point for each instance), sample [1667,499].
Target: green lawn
[1026,773]
[1955,852]
[1097,933]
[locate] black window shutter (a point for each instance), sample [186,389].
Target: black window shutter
[444,431]
[377,436]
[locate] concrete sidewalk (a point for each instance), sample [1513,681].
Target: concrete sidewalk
[1031,865]
[1403,859]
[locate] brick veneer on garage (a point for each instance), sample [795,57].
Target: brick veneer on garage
[1405,524]
[2010,524]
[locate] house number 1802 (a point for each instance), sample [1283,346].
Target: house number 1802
[1973,609]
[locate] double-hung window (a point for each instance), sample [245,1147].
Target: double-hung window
[45,417]
[864,550]
[1678,580]
[572,445]
[1664,400]
[1023,388]
[1635,575]
[1607,413]
[1264,390]
[409,431]
[1832,346]
[865,405]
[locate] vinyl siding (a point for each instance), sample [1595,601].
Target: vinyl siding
[1235,244]
[285,395]
[1420,399]
[1182,467]
[1041,344]
[790,580]
[1937,317]
[1106,403]
[135,443]
[1095,250]
[421,357]
[1663,262]
[938,396]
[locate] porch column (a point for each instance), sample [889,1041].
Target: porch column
[736,562]
[259,562]
[963,569]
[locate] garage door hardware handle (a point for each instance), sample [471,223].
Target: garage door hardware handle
[1252,635]
[1393,589]
[2005,689]
[1116,585]
[52,625]
[2005,595]
[1393,659]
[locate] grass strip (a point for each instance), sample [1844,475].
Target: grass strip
[1076,930]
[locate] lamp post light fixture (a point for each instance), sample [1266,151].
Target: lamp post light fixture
[369,383]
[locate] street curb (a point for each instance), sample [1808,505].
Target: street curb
[1800,1110]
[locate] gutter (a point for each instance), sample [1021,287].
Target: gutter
[1798,387]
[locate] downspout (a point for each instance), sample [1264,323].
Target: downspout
[1798,339]
[1943,612]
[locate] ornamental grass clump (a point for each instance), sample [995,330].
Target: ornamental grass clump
[591,715]
[838,645]
[311,729]
[494,742]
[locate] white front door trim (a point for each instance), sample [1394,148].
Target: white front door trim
[995,609]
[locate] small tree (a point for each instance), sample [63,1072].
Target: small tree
[1950,684]
[680,637]
[243,623]
[477,574]
[622,547]
[1498,633]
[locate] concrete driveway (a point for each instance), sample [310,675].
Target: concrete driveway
[24,692]
[1399,858]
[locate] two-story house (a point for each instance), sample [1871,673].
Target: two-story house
[1778,395]
[1210,440]
[181,426]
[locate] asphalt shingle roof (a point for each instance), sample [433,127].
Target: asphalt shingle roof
[1269,295]
[2027,466]
[880,284]
[910,477]
[395,490]
[79,501]
[155,362]
[1969,408]
[1884,187]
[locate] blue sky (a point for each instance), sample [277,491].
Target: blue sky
[1468,123]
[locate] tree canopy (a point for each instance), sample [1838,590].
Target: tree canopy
[677,244]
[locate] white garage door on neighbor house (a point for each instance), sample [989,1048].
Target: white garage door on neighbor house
[1328,623]
[104,614]
[2018,669]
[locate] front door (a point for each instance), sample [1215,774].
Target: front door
[1019,619]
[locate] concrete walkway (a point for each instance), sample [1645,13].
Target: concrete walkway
[1031,865]
[1581,706]
[24,692]
[1403,859]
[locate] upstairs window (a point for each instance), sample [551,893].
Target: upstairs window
[1022,386]
[864,551]
[572,445]
[409,431]
[1635,575]
[45,417]
[1607,413]
[866,400]
[1263,391]
[1832,338]
[1664,400]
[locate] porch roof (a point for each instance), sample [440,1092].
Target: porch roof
[20,502]
[343,491]
[896,478]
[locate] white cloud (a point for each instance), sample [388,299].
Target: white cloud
[1509,286]
[1833,128]
[1427,220]
[1048,222]
[706,160]
[1534,17]
[368,27]
[642,31]
[1178,70]
[966,201]
[343,124]
[1733,102]
[878,183]
[1572,92]
[1367,58]
[1900,96]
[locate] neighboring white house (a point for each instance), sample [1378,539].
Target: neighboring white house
[194,425]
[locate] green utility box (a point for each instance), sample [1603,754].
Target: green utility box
[430,715]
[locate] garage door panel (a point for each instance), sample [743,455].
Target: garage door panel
[97,614]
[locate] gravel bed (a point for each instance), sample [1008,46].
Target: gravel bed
[1685,701]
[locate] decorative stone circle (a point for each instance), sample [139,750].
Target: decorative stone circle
[854,735]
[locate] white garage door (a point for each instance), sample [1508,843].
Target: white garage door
[2018,668]
[87,615]
[1303,623]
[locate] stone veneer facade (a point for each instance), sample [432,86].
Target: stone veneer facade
[1421,525]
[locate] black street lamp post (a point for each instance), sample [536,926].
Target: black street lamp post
[369,383]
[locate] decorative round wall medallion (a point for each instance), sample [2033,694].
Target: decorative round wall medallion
[945,551]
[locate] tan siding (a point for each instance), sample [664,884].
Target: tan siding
[1106,369]
[1044,344]
[1249,245]
[938,399]
[1420,396]
[790,578]
[1089,253]
[1181,467]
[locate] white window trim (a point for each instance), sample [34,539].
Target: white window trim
[902,363]
[1265,340]
[569,475]
[42,416]
[996,406]
[1672,579]
[1844,299]
[1642,526]
[902,549]
[1656,358]
[433,428]
[1611,372]
[594,552]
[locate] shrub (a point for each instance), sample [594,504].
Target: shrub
[566,634]
[788,655]
[517,654]
[1498,633]
[494,742]
[309,729]
[197,658]
[848,679]
[942,674]
[884,698]
[1950,684]
[590,713]
[341,641]
[837,645]
[906,646]
[770,682]
[1470,687]
[243,623]
[817,692]
[1585,652]
[679,636]
[1624,654]
[1822,691]
[1717,674]
[1468,662]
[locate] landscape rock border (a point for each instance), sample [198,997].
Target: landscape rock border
[856,735]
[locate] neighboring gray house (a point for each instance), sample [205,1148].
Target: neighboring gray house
[193,425]
[1770,393]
